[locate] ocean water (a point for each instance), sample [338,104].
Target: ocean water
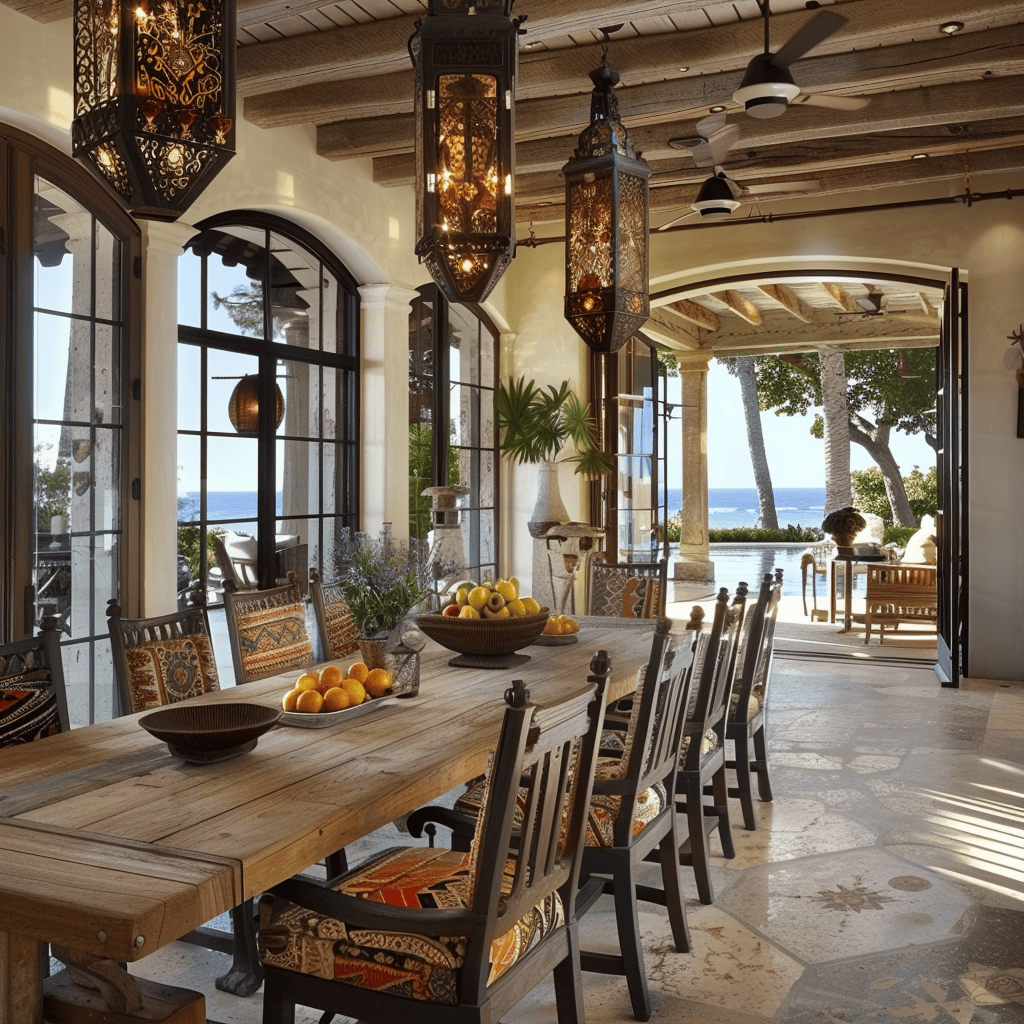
[730,507]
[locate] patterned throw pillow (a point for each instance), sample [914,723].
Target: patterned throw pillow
[28,710]
[167,671]
[272,640]
[341,629]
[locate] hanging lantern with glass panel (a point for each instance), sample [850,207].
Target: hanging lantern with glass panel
[465,55]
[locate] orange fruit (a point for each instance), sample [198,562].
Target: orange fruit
[307,681]
[360,670]
[336,699]
[309,701]
[378,682]
[355,689]
[330,676]
[290,698]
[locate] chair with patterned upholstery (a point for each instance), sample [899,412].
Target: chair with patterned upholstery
[633,815]
[631,590]
[427,934]
[160,661]
[33,701]
[702,761]
[334,620]
[749,704]
[267,630]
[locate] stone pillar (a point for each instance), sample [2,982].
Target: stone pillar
[384,451]
[694,563]
[162,245]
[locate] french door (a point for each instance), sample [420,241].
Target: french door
[952,428]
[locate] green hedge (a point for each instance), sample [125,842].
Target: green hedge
[789,534]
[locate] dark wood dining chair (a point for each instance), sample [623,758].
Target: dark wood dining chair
[160,661]
[335,622]
[267,630]
[748,707]
[633,816]
[702,761]
[437,935]
[632,590]
[34,700]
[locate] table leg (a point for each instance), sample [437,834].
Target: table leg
[832,593]
[848,599]
[21,979]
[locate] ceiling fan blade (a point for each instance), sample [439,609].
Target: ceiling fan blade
[832,102]
[806,185]
[709,147]
[816,31]
[707,126]
[722,141]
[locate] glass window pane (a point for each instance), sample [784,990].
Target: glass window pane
[298,464]
[234,301]
[107,377]
[225,373]
[294,293]
[84,664]
[231,482]
[300,386]
[108,274]
[62,246]
[328,327]
[190,289]
[52,343]
[189,387]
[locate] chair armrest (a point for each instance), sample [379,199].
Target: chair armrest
[365,913]
[462,824]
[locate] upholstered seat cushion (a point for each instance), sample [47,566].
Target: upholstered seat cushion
[167,671]
[272,640]
[404,964]
[603,808]
[28,710]
[708,743]
[753,704]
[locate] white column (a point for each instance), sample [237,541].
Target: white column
[384,451]
[162,244]
[694,562]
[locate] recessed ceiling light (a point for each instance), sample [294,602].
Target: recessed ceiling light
[951,27]
[717,108]
[685,69]
[919,156]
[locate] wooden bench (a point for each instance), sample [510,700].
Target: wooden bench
[898,594]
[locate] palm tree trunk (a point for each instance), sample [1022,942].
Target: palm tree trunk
[745,371]
[838,493]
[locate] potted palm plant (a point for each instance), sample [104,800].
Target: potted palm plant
[534,425]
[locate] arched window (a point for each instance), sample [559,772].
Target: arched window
[268,404]
[69,468]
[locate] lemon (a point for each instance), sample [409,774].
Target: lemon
[336,699]
[531,606]
[378,682]
[360,670]
[355,689]
[309,701]
[307,681]
[289,700]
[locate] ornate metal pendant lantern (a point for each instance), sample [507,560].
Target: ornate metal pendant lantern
[465,55]
[154,98]
[606,218]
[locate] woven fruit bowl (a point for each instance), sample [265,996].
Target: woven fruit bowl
[210,732]
[485,637]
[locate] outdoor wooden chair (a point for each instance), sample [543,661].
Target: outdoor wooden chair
[702,761]
[160,661]
[335,623]
[267,630]
[632,590]
[440,935]
[748,708]
[901,595]
[632,816]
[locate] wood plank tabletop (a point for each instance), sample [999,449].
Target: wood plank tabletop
[103,831]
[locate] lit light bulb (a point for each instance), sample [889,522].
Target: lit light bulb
[466,265]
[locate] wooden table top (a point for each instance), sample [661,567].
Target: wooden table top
[113,846]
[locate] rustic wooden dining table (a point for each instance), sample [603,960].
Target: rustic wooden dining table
[112,847]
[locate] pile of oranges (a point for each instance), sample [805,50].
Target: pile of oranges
[560,625]
[330,689]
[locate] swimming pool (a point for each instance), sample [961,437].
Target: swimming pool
[749,562]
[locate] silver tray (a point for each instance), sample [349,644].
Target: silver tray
[325,719]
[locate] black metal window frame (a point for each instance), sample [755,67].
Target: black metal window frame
[472,508]
[269,352]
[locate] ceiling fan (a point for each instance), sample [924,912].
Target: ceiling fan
[768,88]
[876,303]
[720,195]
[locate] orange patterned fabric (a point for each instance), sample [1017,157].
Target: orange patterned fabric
[341,628]
[414,966]
[166,671]
[604,808]
[272,640]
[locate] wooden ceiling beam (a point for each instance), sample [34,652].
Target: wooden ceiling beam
[696,314]
[753,347]
[740,306]
[828,329]
[788,300]
[841,297]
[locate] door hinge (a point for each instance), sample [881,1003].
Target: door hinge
[137,389]
[137,267]
[136,489]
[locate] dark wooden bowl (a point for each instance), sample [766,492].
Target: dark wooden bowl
[486,637]
[209,732]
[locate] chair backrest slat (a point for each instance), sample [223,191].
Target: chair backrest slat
[335,623]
